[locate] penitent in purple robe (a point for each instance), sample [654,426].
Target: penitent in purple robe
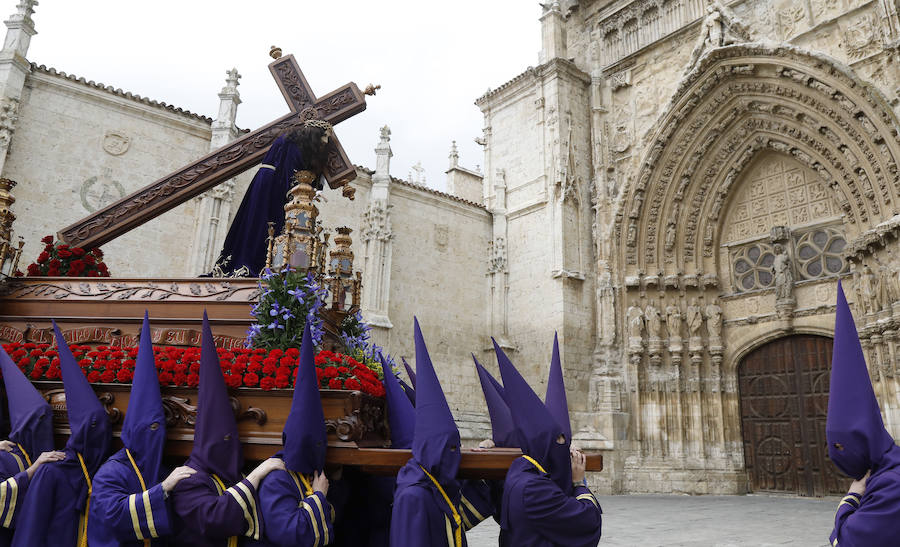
[421,514]
[293,513]
[540,506]
[128,505]
[858,443]
[55,511]
[214,507]
[245,244]
[30,419]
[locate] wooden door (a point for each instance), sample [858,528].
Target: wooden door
[784,403]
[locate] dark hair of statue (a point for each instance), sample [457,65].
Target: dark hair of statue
[312,149]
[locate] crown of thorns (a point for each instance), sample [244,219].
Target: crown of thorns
[321,124]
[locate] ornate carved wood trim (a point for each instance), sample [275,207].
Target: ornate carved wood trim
[228,161]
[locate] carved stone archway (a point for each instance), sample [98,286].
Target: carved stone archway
[677,313]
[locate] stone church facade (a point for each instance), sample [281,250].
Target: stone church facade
[676,189]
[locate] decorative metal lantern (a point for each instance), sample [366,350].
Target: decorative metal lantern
[298,244]
[344,286]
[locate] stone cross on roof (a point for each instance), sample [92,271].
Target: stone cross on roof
[234,158]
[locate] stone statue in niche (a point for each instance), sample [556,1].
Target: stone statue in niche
[670,236]
[886,288]
[784,276]
[654,321]
[694,318]
[635,325]
[714,323]
[868,290]
[673,321]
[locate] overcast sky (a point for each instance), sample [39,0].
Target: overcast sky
[432,59]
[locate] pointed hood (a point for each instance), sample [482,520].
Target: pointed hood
[502,427]
[408,390]
[555,399]
[304,436]
[30,416]
[144,427]
[537,430]
[91,434]
[400,411]
[217,448]
[436,443]
[410,372]
[856,436]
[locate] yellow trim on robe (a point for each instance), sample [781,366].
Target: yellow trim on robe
[24,453]
[322,516]
[148,511]
[834,543]
[266,166]
[135,522]
[237,497]
[450,539]
[220,488]
[456,518]
[589,497]
[312,519]
[471,509]
[244,488]
[83,522]
[11,487]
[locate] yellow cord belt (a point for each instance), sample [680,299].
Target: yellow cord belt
[457,533]
[82,524]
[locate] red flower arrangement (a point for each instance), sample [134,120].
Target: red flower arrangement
[58,259]
[243,368]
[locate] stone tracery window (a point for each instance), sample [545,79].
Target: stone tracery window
[818,253]
[752,267]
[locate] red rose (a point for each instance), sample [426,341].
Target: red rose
[335,383]
[351,383]
[293,353]
[108,376]
[193,380]
[194,368]
[103,270]
[281,383]
[267,383]
[43,257]
[320,360]
[268,370]
[53,373]
[233,380]
[276,353]
[330,372]
[238,368]
[270,361]
[165,378]
[287,361]
[250,379]
[34,269]
[36,373]
[343,370]
[47,240]
[77,251]
[23,363]
[124,376]
[283,372]
[89,259]
[93,376]
[96,252]
[64,247]
[181,379]
[256,367]
[319,374]
[63,253]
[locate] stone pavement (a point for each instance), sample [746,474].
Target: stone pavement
[711,521]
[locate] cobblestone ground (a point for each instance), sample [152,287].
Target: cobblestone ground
[714,521]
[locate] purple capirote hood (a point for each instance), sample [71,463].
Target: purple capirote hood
[304,438]
[400,411]
[217,447]
[503,431]
[30,416]
[857,438]
[555,399]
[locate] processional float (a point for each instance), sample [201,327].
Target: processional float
[107,312]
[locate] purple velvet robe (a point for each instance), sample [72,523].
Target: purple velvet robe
[537,513]
[420,515]
[50,514]
[122,513]
[293,517]
[264,202]
[206,517]
[13,487]
[873,519]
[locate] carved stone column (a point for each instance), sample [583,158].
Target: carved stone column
[498,272]
[14,68]
[214,206]
[377,237]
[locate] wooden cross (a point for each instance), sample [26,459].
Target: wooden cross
[228,161]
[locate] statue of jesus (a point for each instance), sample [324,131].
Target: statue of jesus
[244,251]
